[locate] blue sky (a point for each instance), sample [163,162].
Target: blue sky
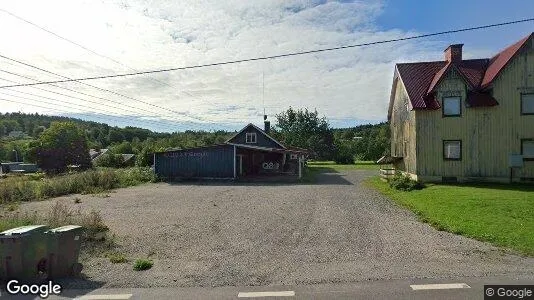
[349,87]
[434,16]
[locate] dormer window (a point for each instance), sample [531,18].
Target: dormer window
[452,107]
[250,138]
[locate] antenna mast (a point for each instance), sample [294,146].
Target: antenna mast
[263,88]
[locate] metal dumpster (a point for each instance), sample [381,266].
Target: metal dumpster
[64,249]
[23,253]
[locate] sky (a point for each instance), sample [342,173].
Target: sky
[349,87]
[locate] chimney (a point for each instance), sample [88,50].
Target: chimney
[267,127]
[453,53]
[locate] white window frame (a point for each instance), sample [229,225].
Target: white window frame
[527,97]
[447,155]
[251,138]
[294,156]
[445,99]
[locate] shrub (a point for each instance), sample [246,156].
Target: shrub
[93,225]
[142,264]
[344,154]
[344,159]
[109,160]
[404,183]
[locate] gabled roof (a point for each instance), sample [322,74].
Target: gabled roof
[499,61]
[258,129]
[421,78]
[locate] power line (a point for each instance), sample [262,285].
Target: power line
[280,55]
[84,83]
[89,95]
[77,107]
[47,108]
[65,95]
[197,127]
[87,49]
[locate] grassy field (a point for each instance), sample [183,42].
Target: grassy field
[497,213]
[316,167]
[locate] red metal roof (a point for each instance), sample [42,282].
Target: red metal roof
[499,61]
[416,78]
[421,78]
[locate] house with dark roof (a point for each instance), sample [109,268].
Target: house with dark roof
[250,153]
[465,119]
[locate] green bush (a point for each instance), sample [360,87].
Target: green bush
[142,264]
[344,159]
[404,183]
[110,160]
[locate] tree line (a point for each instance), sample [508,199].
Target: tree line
[74,137]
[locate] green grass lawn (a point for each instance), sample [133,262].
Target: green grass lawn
[359,165]
[497,213]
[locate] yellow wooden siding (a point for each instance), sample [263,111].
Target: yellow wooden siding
[402,126]
[489,134]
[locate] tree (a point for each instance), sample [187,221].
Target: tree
[38,130]
[122,148]
[115,136]
[344,152]
[305,129]
[61,145]
[110,160]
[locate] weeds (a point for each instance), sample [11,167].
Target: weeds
[117,258]
[12,207]
[142,264]
[37,187]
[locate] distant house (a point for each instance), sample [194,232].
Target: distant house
[461,120]
[128,159]
[251,152]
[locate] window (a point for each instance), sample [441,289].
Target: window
[527,104]
[527,149]
[293,156]
[250,138]
[451,107]
[452,150]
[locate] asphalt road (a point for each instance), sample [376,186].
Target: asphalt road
[471,288]
[252,235]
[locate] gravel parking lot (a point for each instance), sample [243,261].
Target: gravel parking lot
[218,234]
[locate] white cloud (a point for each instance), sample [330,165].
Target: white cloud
[351,84]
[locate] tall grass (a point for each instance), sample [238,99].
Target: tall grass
[25,188]
[58,215]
